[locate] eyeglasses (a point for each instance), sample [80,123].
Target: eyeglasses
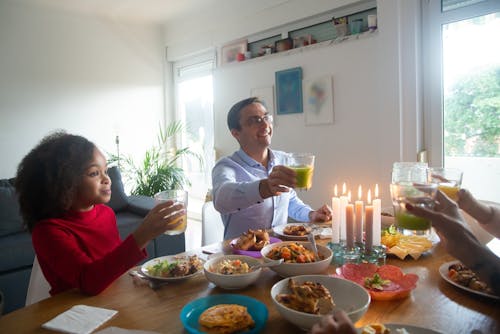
[258,120]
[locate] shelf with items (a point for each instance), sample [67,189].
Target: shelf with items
[314,46]
[324,32]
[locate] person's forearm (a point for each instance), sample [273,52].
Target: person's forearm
[487,266]
[486,214]
[231,196]
[491,220]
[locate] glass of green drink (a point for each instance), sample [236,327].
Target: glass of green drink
[303,165]
[422,195]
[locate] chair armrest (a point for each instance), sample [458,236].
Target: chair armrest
[140,205]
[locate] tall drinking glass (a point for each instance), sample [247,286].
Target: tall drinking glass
[303,165]
[449,180]
[178,196]
[422,195]
[411,183]
[409,172]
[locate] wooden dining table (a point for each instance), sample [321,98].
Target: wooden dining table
[434,303]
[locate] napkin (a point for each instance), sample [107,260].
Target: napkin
[80,319]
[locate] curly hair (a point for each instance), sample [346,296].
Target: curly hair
[49,175]
[234,114]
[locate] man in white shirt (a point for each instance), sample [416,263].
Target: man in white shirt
[252,188]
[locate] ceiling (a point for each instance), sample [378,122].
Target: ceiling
[154,11]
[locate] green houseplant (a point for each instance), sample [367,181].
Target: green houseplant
[160,169]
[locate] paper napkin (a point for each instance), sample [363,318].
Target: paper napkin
[80,319]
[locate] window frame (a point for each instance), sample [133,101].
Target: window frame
[433,19]
[194,66]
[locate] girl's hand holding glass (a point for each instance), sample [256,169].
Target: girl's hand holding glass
[163,217]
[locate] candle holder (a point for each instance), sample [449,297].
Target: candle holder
[357,254]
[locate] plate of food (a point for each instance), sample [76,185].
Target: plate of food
[251,243]
[173,268]
[224,313]
[395,328]
[462,277]
[293,231]
[386,282]
[404,245]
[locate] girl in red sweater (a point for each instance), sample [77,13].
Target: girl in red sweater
[62,186]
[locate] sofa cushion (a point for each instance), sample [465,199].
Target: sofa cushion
[119,200]
[127,223]
[16,251]
[14,286]
[10,218]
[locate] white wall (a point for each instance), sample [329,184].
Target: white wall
[82,74]
[376,97]
[89,76]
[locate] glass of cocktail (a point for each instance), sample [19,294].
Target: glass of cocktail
[178,196]
[416,194]
[449,180]
[303,165]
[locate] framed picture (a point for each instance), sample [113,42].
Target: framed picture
[229,53]
[318,101]
[289,91]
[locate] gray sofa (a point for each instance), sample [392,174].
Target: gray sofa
[16,250]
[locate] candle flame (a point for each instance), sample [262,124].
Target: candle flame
[349,196]
[369,196]
[343,189]
[335,190]
[359,192]
[376,190]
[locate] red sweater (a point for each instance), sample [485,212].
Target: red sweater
[83,250]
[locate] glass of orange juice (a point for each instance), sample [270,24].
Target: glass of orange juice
[303,165]
[178,196]
[449,180]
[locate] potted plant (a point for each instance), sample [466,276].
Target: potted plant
[161,167]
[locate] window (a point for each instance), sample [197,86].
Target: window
[194,107]
[462,91]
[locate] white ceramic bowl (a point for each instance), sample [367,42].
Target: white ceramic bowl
[347,296]
[237,281]
[294,269]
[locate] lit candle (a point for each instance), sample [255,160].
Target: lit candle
[335,217]
[349,212]
[358,206]
[377,210]
[369,222]
[343,203]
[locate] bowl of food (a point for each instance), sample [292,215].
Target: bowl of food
[303,300]
[299,258]
[232,271]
